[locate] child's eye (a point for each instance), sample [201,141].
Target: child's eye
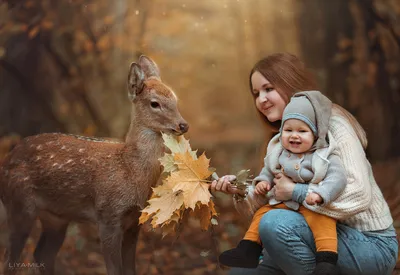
[287,130]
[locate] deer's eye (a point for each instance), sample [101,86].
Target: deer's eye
[154,104]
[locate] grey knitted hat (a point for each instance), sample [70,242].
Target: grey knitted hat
[301,108]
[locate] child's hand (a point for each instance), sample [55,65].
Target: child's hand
[262,188]
[313,198]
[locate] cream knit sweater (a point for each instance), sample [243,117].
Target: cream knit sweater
[361,205]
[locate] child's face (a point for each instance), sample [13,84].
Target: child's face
[296,136]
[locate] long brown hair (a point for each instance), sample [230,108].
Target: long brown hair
[288,74]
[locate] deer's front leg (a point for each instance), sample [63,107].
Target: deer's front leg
[111,242]
[129,249]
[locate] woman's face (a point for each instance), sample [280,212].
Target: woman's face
[268,101]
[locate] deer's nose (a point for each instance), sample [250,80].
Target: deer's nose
[183,127]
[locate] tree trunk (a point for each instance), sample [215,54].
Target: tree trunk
[354,60]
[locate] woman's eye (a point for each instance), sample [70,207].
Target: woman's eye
[154,104]
[269,89]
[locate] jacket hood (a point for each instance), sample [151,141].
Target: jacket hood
[323,110]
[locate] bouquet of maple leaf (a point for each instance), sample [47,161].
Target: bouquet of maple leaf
[185,188]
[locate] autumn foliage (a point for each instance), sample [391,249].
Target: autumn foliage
[184,190]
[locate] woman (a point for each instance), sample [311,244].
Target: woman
[366,238]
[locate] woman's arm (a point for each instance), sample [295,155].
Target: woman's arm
[357,195]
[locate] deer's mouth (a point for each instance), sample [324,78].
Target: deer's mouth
[176,132]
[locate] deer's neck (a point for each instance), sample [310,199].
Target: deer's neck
[143,148]
[146,143]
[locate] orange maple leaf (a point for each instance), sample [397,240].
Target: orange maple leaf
[190,179]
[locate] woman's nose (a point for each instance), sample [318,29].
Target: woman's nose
[263,96]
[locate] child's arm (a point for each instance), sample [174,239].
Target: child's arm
[334,182]
[313,198]
[265,175]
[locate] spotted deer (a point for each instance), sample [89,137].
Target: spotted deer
[60,178]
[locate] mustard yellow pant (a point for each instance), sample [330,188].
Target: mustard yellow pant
[322,227]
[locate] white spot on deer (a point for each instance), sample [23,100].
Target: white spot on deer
[109,156]
[69,161]
[81,150]
[63,147]
[55,164]
[39,147]
[26,178]
[49,143]
[51,156]
[38,158]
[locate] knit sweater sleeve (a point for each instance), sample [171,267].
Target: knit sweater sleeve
[357,195]
[334,182]
[248,206]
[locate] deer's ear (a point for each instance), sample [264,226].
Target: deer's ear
[149,67]
[135,81]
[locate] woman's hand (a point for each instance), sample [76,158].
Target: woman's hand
[224,185]
[284,187]
[262,188]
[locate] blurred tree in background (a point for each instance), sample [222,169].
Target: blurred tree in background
[355,51]
[63,67]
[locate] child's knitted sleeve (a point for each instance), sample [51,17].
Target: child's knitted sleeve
[265,175]
[334,182]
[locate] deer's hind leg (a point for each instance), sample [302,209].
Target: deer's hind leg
[20,222]
[50,242]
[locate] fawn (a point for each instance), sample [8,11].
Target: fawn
[60,178]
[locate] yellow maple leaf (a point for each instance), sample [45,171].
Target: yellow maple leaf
[178,145]
[162,189]
[168,163]
[186,179]
[190,179]
[162,208]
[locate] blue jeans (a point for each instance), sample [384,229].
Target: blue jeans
[290,248]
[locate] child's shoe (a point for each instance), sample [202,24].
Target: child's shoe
[246,255]
[326,263]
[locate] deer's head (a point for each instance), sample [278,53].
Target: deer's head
[155,104]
